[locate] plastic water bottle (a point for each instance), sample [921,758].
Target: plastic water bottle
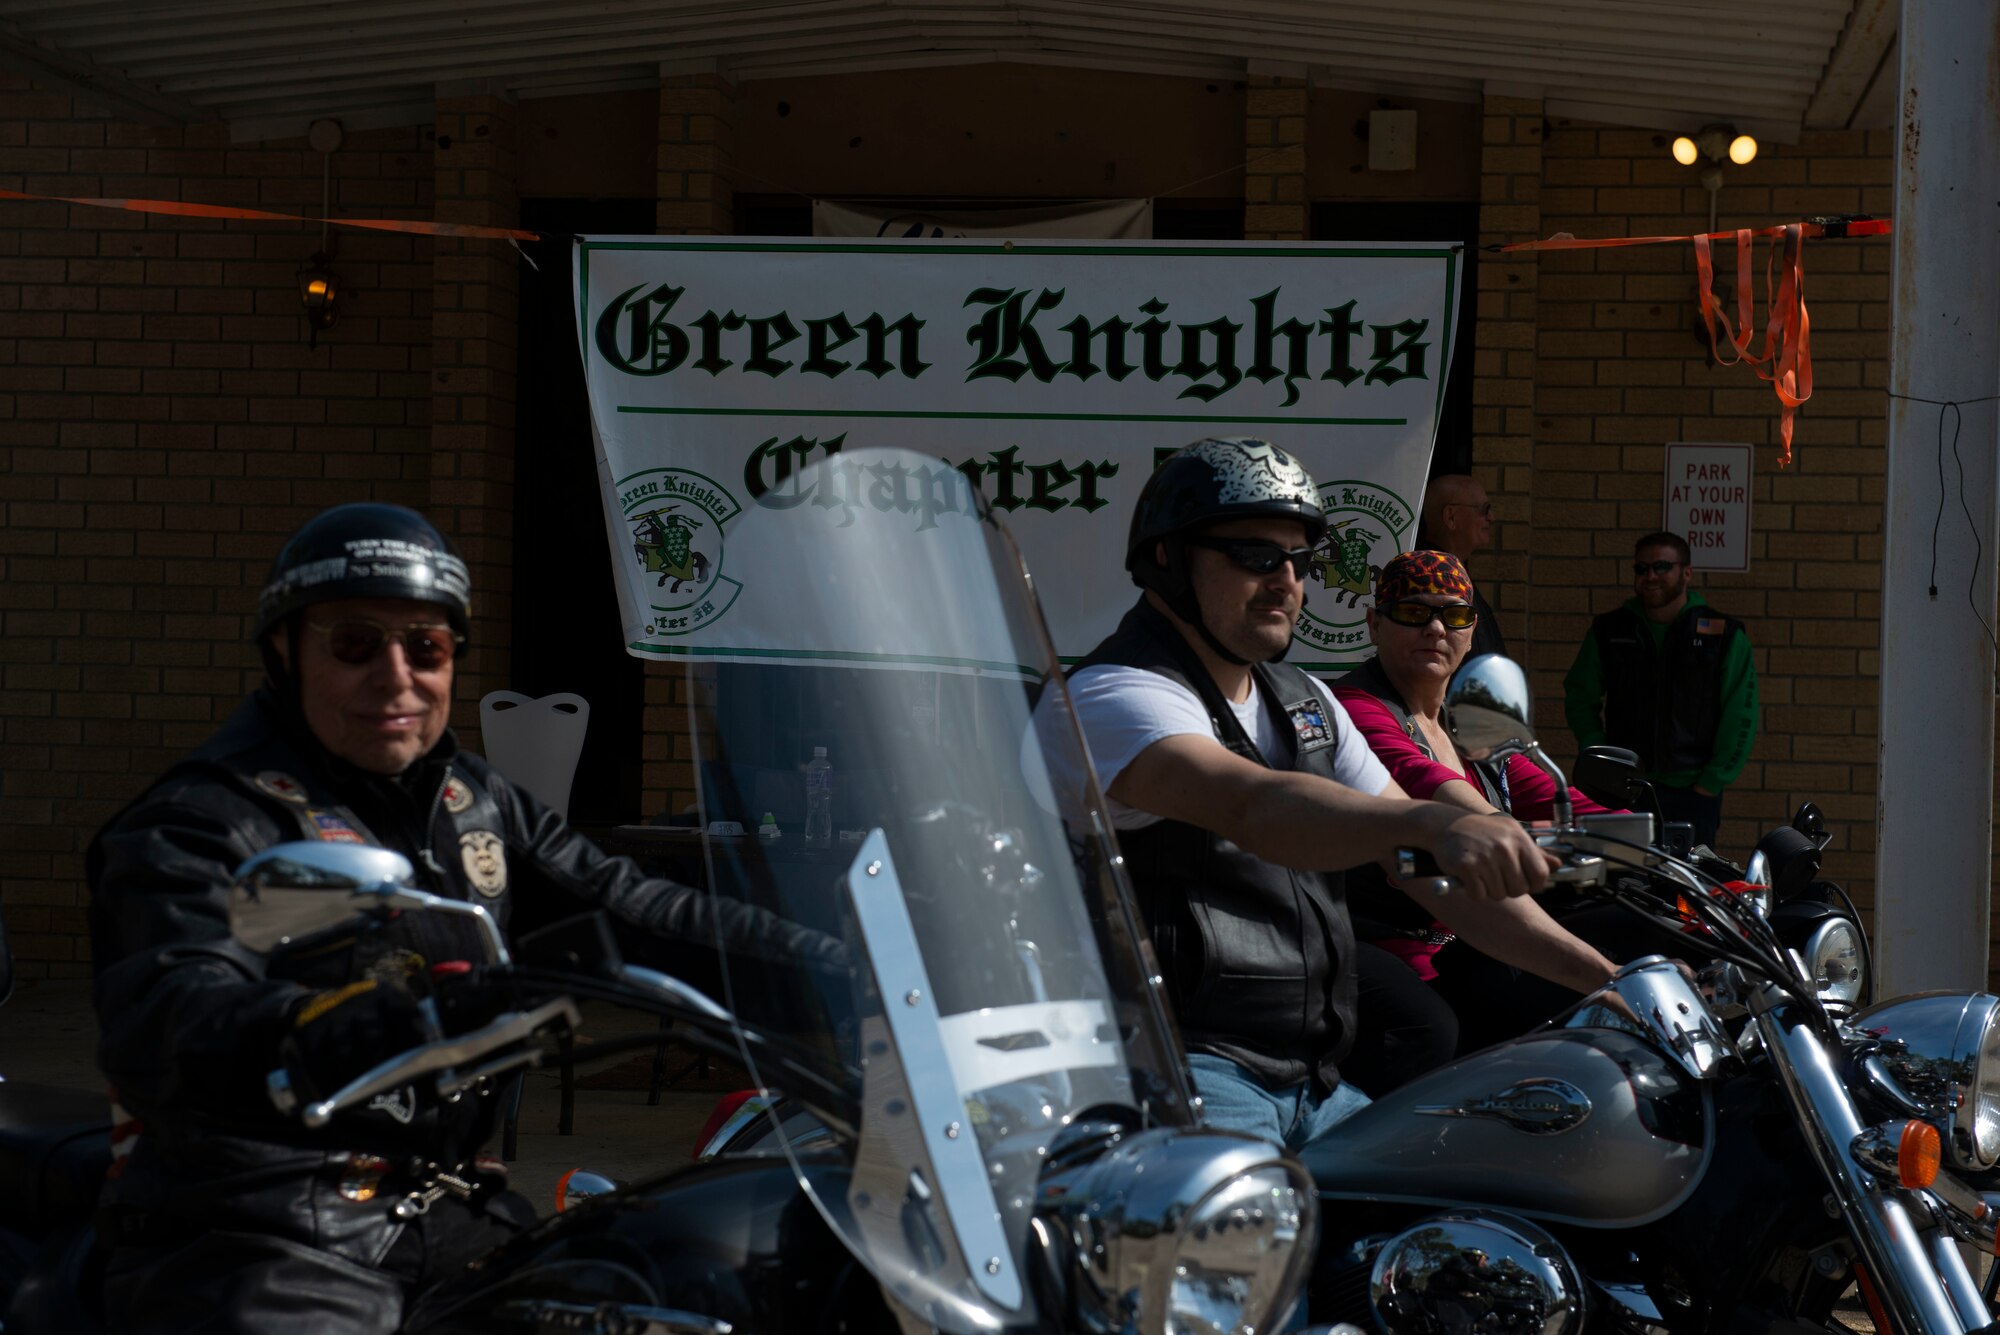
[819,800]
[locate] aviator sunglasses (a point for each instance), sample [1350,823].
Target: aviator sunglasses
[356,641]
[1259,556]
[1454,616]
[1645,568]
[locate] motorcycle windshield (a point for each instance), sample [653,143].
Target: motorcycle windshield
[962,977]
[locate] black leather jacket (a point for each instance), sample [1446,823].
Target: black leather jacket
[191,1021]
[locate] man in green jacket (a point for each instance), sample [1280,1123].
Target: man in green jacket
[1669,677]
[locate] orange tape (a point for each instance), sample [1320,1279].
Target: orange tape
[180,209]
[1786,361]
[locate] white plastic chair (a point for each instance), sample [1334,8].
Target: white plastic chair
[535,743]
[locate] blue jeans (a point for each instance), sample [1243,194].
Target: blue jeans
[1289,1117]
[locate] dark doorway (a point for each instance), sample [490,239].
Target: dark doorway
[567,623]
[1426,221]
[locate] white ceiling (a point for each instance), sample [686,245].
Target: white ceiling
[269,67]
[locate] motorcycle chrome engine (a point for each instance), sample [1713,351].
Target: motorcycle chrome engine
[1475,1274]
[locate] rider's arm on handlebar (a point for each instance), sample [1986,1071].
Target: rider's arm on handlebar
[1521,933]
[1301,820]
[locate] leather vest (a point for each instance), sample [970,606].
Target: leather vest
[1258,958]
[1665,705]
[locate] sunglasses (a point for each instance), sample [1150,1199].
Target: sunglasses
[1258,555]
[1485,508]
[1645,568]
[355,642]
[1454,616]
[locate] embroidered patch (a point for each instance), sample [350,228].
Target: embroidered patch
[281,786]
[457,796]
[1710,625]
[1309,720]
[332,829]
[485,859]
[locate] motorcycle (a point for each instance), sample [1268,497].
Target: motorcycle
[1714,1155]
[1006,1137]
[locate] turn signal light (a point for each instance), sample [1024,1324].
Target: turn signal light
[1917,1155]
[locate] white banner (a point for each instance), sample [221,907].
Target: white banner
[1104,220]
[1054,376]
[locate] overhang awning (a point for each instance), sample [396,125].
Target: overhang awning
[267,68]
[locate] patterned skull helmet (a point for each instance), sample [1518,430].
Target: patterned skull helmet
[1212,480]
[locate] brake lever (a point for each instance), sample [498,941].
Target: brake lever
[443,1056]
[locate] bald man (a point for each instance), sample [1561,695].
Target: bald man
[1458,518]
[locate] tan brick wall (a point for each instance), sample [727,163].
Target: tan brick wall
[1503,380]
[475,308]
[1619,371]
[163,425]
[1274,159]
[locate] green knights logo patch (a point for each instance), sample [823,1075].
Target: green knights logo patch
[676,517]
[1366,525]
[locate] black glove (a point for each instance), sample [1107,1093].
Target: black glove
[339,1033]
[469,995]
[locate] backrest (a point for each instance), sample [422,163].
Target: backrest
[535,742]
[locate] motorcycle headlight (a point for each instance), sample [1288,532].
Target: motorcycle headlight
[1949,1062]
[1833,956]
[1189,1233]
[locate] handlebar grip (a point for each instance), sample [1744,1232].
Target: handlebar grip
[1414,862]
[1418,872]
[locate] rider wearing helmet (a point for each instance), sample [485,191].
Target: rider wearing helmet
[1239,789]
[226,1215]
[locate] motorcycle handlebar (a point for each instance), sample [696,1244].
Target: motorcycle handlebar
[444,1056]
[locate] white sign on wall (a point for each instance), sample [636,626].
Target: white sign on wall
[1051,375]
[1708,503]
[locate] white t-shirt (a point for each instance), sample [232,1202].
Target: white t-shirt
[1124,710]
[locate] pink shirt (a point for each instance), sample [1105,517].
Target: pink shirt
[1531,791]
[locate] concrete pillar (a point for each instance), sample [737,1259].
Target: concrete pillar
[1934,867]
[474,317]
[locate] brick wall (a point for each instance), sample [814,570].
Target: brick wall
[1619,371]
[163,425]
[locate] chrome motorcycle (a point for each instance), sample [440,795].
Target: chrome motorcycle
[1728,1154]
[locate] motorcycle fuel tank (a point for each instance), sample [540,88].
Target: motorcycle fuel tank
[1580,1126]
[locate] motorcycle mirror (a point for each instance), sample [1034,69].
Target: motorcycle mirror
[1610,776]
[1810,821]
[291,892]
[1791,859]
[1487,708]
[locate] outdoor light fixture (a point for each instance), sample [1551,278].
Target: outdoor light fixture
[319,293]
[319,288]
[1712,144]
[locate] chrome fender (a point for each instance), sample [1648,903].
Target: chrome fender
[1592,1127]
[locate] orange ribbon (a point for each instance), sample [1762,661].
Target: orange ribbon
[180,209]
[1786,360]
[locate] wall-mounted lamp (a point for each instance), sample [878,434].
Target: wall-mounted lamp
[319,293]
[319,287]
[1713,144]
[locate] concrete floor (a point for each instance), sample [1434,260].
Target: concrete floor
[48,1036]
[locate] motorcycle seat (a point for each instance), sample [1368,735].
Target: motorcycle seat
[55,1145]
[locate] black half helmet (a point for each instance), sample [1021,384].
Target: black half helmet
[366,550]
